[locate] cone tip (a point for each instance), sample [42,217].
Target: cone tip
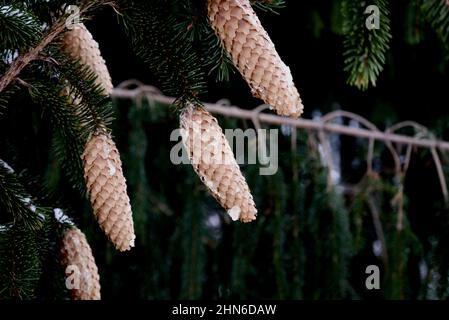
[234,213]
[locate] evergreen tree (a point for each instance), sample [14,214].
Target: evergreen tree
[62,176]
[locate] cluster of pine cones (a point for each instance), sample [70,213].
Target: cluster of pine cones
[255,56]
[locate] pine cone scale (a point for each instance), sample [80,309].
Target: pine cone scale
[254,54]
[106,184]
[76,252]
[107,190]
[214,162]
[80,44]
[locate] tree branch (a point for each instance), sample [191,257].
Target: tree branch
[23,60]
[232,111]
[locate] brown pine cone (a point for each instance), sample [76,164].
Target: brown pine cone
[106,186]
[77,257]
[213,161]
[80,44]
[254,55]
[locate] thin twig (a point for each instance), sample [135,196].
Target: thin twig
[422,132]
[256,113]
[413,124]
[375,214]
[398,200]
[296,123]
[441,177]
[127,84]
[23,60]
[327,150]
[34,53]
[293,139]
[370,156]
[340,114]
[346,114]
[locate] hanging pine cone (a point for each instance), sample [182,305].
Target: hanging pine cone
[106,186]
[213,161]
[80,44]
[254,55]
[77,257]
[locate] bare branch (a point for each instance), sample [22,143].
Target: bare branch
[308,124]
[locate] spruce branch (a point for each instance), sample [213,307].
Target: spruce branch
[192,227]
[24,254]
[190,19]
[269,5]
[169,55]
[15,202]
[76,105]
[19,266]
[337,20]
[216,58]
[192,24]
[6,95]
[86,94]
[20,28]
[23,60]
[219,62]
[68,139]
[364,48]
[437,13]
[414,26]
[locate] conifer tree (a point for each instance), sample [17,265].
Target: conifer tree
[77,155]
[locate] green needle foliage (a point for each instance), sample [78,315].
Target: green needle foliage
[170,55]
[364,49]
[193,249]
[20,28]
[15,200]
[414,24]
[20,267]
[437,13]
[29,235]
[192,24]
[67,138]
[72,124]
[6,95]
[27,239]
[268,5]
[220,63]
[328,233]
[311,240]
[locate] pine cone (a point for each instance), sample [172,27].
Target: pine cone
[213,161]
[76,253]
[254,55]
[106,186]
[80,44]
[102,166]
